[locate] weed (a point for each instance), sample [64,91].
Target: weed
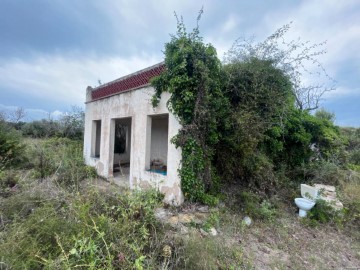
[212,221]
[60,158]
[90,230]
[209,253]
[8,181]
[324,212]
[251,204]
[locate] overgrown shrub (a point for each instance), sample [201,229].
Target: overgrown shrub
[92,230]
[350,196]
[29,195]
[8,181]
[41,128]
[61,158]
[193,76]
[69,125]
[324,172]
[323,212]
[11,147]
[255,206]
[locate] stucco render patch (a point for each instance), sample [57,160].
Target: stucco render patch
[173,194]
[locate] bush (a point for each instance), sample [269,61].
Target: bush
[323,212]
[30,195]
[8,181]
[88,231]
[70,125]
[11,147]
[350,196]
[254,206]
[41,129]
[61,158]
[324,172]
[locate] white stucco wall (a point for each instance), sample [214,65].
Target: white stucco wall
[135,104]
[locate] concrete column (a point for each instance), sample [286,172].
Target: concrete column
[148,143]
[110,155]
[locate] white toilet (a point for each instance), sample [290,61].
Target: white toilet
[309,195]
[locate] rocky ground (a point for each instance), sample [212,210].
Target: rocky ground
[284,243]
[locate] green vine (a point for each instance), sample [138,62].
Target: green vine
[194,77]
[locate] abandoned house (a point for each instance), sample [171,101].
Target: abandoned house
[127,140]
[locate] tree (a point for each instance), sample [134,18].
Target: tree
[2,116]
[17,115]
[72,123]
[261,97]
[295,58]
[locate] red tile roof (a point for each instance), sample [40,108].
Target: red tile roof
[130,82]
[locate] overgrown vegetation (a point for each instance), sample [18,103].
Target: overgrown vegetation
[194,76]
[247,120]
[68,125]
[11,146]
[248,139]
[95,230]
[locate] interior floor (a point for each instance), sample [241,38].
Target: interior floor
[121,174]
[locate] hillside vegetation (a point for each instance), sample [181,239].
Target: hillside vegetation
[251,133]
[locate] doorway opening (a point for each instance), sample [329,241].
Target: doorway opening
[158,144]
[122,150]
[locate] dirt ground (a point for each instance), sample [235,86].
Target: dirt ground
[289,244]
[286,243]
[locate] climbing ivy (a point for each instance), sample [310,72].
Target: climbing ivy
[244,119]
[194,77]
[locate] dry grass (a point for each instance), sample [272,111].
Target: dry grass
[289,243]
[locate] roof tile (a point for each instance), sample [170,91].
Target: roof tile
[130,82]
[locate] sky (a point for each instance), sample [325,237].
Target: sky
[50,51]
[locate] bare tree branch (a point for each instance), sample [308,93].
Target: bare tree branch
[297,59]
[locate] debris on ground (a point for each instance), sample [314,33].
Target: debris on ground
[328,194]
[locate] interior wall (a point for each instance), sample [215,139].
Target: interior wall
[97,138]
[159,138]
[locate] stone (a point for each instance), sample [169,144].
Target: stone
[185,218]
[222,205]
[247,221]
[213,231]
[161,214]
[203,209]
[325,187]
[173,221]
[184,230]
[203,232]
[328,194]
[200,217]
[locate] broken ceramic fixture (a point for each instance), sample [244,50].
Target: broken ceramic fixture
[309,195]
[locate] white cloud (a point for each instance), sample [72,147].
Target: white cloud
[64,79]
[230,24]
[7,108]
[31,113]
[57,114]
[336,22]
[342,92]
